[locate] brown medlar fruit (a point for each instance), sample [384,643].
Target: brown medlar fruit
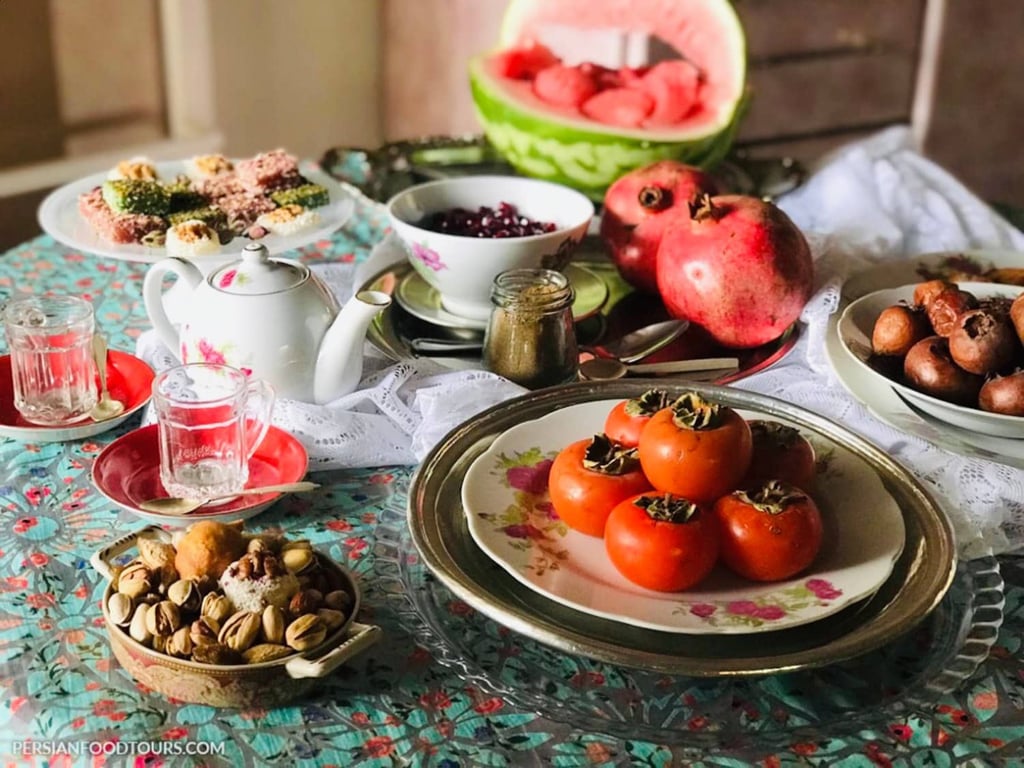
[1003,394]
[898,328]
[947,306]
[930,369]
[925,292]
[1017,316]
[984,342]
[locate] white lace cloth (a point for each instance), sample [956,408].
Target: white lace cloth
[877,199]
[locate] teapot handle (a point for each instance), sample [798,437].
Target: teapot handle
[153,297]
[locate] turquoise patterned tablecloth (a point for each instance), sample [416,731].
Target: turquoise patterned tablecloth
[408,701]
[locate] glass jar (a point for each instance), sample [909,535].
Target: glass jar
[530,337]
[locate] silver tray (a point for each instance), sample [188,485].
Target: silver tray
[437,522]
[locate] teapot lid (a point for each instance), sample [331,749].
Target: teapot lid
[257,273]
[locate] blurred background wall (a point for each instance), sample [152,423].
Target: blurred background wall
[87,82]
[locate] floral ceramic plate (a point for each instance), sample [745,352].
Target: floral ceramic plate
[129,380]
[421,300]
[58,216]
[511,519]
[127,472]
[855,328]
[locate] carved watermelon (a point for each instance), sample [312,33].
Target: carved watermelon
[585,125]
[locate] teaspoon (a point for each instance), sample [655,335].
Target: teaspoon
[174,505]
[106,407]
[605,369]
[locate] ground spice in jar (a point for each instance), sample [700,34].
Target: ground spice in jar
[530,338]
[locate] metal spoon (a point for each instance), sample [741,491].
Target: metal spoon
[629,348]
[106,407]
[605,369]
[173,505]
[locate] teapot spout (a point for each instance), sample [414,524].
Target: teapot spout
[339,362]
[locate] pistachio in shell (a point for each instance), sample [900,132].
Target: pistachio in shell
[135,580]
[273,624]
[163,619]
[159,643]
[258,654]
[137,628]
[295,544]
[185,594]
[240,630]
[298,560]
[306,632]
[120,607]
[217,607]
[215,653]
[204,630]
[179,644]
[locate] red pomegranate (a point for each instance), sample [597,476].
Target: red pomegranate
[636,209]
[738,267]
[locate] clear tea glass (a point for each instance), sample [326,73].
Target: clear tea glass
[52,367]
[210,420]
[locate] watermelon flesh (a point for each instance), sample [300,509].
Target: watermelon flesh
[584,124]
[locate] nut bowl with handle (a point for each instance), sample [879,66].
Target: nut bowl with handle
[272,318]
[264,684]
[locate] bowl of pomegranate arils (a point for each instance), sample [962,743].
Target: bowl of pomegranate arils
[461,233]
[954,352]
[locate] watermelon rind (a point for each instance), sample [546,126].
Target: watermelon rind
[585,154]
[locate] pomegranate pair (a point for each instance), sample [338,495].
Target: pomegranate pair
[735,265]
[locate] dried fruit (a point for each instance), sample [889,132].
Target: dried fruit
[338,600]
[240,631]
[207,548]
[306,632]
[305,601]
[120,608]
[331,619]
[215,653]
[266,652]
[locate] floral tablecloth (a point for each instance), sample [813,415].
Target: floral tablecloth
[409,700]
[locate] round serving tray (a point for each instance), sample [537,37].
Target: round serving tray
[872,691]
[437,522]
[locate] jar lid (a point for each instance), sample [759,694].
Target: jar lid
[257,273]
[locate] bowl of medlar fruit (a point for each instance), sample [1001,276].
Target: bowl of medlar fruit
[955,352]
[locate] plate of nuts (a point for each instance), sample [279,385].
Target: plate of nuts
[219,617]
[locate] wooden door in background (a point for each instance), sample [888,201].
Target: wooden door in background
[823,73]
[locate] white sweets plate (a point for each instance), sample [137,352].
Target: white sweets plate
[58,216]
[510,518]
[855,327]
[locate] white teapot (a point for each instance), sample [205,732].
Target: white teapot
[271,318]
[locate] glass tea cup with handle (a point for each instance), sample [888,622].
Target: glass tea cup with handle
[210,420]
[52,366]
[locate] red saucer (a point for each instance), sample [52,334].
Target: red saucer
[129,380]
[127,472]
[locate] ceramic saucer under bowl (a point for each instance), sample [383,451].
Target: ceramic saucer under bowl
[127,472]
[421,300]
[128,379]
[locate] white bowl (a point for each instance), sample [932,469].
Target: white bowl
[462,269]
[856,325]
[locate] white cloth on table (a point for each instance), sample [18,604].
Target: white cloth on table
[872,201]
